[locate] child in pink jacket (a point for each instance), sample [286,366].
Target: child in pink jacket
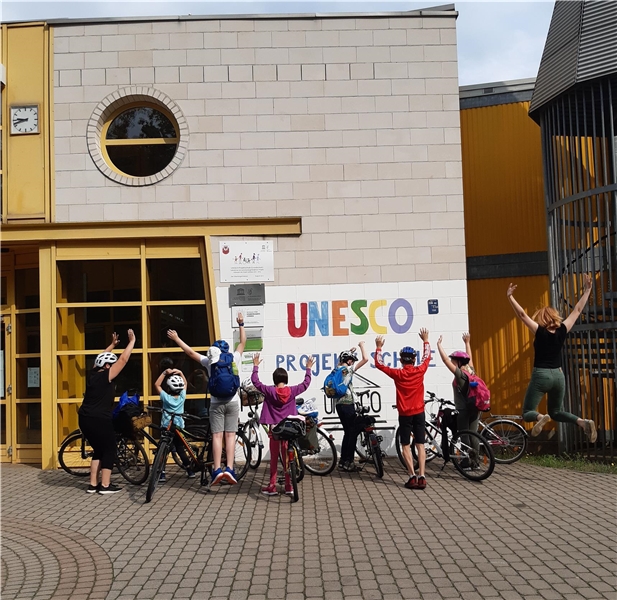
[279,403]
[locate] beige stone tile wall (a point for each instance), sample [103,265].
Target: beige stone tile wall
[350,123]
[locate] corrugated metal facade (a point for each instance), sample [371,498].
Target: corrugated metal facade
[502,181]
[504,214]
[502,346]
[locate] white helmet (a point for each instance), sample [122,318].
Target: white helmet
[175,383]
[105,358]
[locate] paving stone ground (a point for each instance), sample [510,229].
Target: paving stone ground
[526,533]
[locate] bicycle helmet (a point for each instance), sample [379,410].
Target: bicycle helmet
[347,355]
[175,383]
[222,345]
[105,358]
[407,355]
[460,356]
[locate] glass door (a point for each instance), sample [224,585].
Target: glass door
[6,393]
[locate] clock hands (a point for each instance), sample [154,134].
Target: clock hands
[17,121]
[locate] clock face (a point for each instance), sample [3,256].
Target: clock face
[24,119]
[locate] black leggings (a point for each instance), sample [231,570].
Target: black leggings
[102,437]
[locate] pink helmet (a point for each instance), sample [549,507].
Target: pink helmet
[460,356]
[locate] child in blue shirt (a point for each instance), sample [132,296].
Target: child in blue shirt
[173,401]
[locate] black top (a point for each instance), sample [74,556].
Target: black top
[99,396]
[548,347]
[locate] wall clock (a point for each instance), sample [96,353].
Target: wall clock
[24,119]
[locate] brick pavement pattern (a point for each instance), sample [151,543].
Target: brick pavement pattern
[526,533]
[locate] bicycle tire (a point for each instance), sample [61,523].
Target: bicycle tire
[242,455]
[70,455]
[429,453]
[293,473]
[362,455]
[376,454]
[321,463]
[132,461]
[251,433]
[480,463]
[157,467]
[511,442]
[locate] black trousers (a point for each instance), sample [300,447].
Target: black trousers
[102,437]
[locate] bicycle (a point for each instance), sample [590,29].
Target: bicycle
[317,447]
[473,463]
[368,444]
[290,430]
[252,427]
[75,456]
[508,440]
[198,446]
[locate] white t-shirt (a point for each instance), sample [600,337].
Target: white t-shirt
[205,362]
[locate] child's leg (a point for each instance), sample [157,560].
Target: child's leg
[409,459]
[285,465]
[274,459]
[421,452]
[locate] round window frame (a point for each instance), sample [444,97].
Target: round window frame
[116,103]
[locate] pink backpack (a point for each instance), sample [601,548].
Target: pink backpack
[479,393]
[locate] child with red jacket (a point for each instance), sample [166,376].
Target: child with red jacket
[409,382]
[279,403]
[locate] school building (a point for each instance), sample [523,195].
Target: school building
[306,170]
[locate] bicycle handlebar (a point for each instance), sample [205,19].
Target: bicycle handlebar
[173,414]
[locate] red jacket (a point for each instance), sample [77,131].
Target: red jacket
[409,382]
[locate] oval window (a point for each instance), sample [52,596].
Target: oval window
[140,141]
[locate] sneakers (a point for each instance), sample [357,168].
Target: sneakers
[341,466]
[162,477]
[537,428]
[217,476]
[289,491]
[92,489]
[190,474]
[230,475]
[270,490]
[421,482]
[590,430]
[351,467]
[412,483]
[110,489]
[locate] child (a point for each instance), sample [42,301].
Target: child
[173,402]
[409,382]
[279,403]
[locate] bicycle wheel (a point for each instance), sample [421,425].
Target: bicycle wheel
[75,455]
[299,463]
[242,455]
[360,449]
[376,454]
[322,460]
[471,455]
[429,451]
[507,439]
[157,467]
[132,461]
[252,435]
[293,468]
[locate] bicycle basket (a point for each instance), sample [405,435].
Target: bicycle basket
[250,396]
[141,421]
[289,429]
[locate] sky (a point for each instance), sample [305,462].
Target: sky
[497,41]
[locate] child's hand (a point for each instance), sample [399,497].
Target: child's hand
[172,334]
[511,289]
[240,318]
[115,338]
[424,334]
[310,362]
[380,340]
[440,340]
[361,344]
[466,338]
[256,360]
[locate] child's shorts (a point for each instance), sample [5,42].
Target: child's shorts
[411,424]
[224,417]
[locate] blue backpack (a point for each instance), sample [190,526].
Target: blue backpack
[224,378]
[334,385]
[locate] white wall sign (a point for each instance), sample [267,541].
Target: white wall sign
[246,261]
[253,315]
[34,377]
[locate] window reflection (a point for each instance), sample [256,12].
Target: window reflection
[175,279]
[140,123]
[189,321]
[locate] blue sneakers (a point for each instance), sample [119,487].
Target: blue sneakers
[162,477]
[230,475]
[217,476]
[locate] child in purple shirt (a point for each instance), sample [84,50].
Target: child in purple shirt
[279,403]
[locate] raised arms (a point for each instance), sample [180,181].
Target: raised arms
[117,367]
[520,311]
[444,357]
[580,305]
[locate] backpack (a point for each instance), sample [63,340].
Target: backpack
[334,385]
[479,393]
[224,379]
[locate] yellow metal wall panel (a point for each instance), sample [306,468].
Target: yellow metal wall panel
[502,180]
[28,187]
[502,346]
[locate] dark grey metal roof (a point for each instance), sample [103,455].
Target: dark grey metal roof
[581,44]
[496,92]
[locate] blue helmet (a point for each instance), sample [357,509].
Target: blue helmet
[222,345]
[408,355]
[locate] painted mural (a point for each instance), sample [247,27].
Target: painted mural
[322,321]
